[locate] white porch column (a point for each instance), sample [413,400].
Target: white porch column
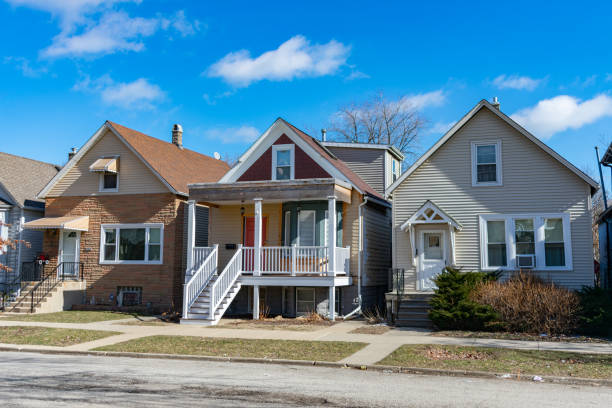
[331,235]
[332,303]
[256,302]
[191,227]
[257,255]
[451,230]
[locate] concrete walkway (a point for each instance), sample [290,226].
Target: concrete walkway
[378,346]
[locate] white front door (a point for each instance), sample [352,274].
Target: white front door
[69,256]
[432,258]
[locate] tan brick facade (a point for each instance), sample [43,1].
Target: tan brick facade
[161,284]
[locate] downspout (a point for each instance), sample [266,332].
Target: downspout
[357,310]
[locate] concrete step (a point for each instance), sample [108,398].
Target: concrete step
[426,323]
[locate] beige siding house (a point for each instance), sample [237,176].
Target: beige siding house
[491,196]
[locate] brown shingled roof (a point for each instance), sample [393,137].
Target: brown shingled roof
[179,167]
[337,163]
[23,178]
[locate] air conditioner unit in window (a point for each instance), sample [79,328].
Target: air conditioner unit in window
[525,261]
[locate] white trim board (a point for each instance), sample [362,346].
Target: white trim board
[480,105]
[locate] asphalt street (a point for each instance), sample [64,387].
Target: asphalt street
[39,380]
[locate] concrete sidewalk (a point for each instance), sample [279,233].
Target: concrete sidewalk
[378,347]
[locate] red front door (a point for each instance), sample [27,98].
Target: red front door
[248,240]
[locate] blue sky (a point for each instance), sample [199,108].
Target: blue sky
[226,70]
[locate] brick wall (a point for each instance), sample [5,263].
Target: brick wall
[161,284]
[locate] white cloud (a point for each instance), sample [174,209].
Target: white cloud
[563,112]
[93,27]
[295,58]
[242,134]
[440,127]
[24,65]
[423,100]
[357,75]
[516,82]
[139,94]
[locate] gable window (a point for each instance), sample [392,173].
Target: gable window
[526,241]
[131,243]
[109,182]
[108,169]
[283,162]
[486,164]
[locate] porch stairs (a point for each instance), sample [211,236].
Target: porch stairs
[207,295]
[413,310]
[21,303]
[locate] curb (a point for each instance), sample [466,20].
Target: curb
[328,364]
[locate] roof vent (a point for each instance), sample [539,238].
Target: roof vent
[177,135]
[324,135]
[495,103]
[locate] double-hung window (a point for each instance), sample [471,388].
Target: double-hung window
[486,164]
[306,228]
[131,243]
[283,162]
[525,241]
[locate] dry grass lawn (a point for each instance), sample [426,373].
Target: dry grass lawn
[71,316]
[278,323]
[378,329]
[527,362]
[225,347]
[517,336]
[45,336]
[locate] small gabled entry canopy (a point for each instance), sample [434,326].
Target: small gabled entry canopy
[77,223]
[431,214]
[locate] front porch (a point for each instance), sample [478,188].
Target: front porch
[266,237]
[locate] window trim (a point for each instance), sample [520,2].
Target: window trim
[117,228]
[538,219]
[284,147]
[498,163]
[101,188]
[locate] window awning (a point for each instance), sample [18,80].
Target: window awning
[105,164]
[79,223]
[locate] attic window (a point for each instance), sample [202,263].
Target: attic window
[486,164]
[108,168]
[283,162]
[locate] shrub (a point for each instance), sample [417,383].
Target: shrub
[451,306]
[595,315]
[526,303]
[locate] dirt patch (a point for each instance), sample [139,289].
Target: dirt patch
[438,353]
[377,329]
[278,323]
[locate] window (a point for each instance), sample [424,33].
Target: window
[539,241]
[304,301]
[282,162]
[3,229]
[496,244]
[306,228]
[554,245]
[109,181]
[131,243]
[486,164]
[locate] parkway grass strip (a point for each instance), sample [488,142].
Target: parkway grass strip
[46,336]
[226,347]
[70,316]
[498,360]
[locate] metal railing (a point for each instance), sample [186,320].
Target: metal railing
[63,271]
[206,269]
[225,281]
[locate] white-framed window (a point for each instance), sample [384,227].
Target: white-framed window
[131,243]
[396,170]
[283,162]
[3,229]
[306,228]
[109,181]
[304,301]
[536,241]
[486,164]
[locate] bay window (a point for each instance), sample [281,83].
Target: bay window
[531,241]
[131,243]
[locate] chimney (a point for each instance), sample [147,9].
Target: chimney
[495,103]
[324,135]
[177,135]
[71,153]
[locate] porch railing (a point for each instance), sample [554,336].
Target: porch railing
[225,281]
[296,260]
[206,268]
[63,271]
[199,255]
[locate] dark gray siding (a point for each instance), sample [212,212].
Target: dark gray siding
[369,164]
[376,254]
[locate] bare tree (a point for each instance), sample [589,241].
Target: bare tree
[381,121]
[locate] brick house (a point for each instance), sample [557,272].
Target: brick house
[115,216]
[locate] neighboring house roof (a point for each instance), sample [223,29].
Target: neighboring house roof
[22,178]
[326,159]
[392,149]
[175,167]
[483,104]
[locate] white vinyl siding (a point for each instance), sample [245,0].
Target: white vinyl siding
[131,243]
[533,183]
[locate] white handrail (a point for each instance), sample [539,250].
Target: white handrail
[225,281]
[199,256]
[199,280]
[343,257]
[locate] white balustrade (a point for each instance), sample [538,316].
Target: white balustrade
[199,255]
[225,281]
[343,260]
[205,268]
